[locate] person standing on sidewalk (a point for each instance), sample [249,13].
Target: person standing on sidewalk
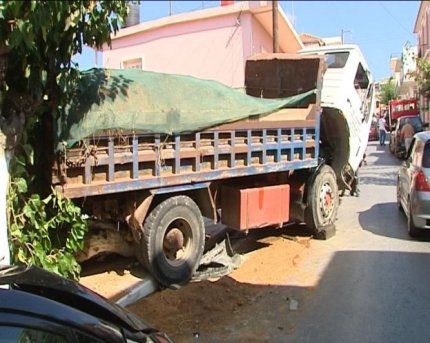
[406,133]
[382,130]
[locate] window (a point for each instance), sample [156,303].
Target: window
[15,334]
[361,80]
[85,338]
[416,152]
[368,105]
[426,157]
[414,121]
[336,59]
[135,63]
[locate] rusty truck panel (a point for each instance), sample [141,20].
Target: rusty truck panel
[282,141]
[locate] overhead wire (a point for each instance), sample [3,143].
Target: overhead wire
[395,19]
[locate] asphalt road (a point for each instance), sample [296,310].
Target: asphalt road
[371,281]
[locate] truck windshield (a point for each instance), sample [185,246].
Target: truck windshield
[336,59]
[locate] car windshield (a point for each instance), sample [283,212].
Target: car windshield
[416,123]
[336,59]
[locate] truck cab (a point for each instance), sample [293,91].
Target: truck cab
[347,101]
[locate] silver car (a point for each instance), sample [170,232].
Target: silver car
[413,187]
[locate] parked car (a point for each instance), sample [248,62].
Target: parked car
[396,146]
[39,306]
[413,187]
[373,132]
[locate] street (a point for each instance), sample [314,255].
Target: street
[373,285]
[193,164]
[369,283]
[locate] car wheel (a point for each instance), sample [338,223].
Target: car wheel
[412,229]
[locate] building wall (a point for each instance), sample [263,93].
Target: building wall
[256,39]
[422,29]
[409,55]
[214,49]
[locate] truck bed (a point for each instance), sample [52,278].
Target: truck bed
[285,140]
[121,161]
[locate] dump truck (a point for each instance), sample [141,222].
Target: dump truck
[348,104]
[157,155]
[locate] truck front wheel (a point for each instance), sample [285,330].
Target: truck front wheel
[322,200]
[173,240]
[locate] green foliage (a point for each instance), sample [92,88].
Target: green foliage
[45,232]
[422,75]
[388,92]
[37,77]
[42,37]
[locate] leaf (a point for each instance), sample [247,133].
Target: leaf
[39,66]
[29,151]
[21,185]
[22,256]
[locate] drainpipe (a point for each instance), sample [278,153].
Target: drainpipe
[275,25]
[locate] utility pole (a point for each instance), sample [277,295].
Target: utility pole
[275,25]
[342,34]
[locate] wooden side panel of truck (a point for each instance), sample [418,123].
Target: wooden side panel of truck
[162,186]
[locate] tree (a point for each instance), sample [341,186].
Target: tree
[422,75]
[388,92]
[37,79]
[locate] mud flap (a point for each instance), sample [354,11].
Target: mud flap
[219,261]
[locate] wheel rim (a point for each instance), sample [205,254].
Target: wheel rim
[177,242]
[326,202]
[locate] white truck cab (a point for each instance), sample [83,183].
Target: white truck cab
[347,101]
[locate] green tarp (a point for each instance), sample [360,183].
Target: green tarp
[149,102]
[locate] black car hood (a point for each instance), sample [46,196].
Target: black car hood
[38,281]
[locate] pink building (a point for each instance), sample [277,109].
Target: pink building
[422,29]
[210,44]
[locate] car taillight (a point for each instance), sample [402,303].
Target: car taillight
[421,184]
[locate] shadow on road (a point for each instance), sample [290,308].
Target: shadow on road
[381,179]
[381,156]
[368,296]
[362,296]
[394,222]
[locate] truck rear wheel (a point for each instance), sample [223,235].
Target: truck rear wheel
[322,200]
[173,240]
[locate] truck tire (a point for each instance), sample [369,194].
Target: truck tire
[322,201]
[173,240]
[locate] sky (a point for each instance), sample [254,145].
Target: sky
[379,28]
